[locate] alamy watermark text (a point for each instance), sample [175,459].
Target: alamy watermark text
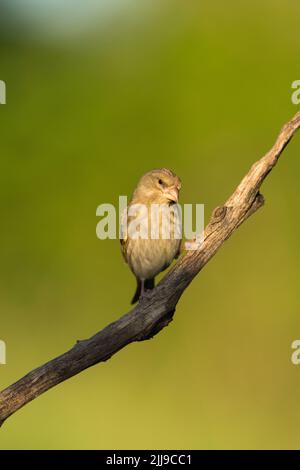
[2,92]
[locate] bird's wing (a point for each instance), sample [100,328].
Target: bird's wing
[124,235]
[123,248]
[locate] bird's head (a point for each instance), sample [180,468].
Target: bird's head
[159,186]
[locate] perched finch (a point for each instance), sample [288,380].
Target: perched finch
[154,239]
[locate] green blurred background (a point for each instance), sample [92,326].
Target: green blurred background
[98,93]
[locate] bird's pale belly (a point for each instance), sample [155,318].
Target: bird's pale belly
[148,257]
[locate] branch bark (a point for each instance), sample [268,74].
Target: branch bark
[157,307]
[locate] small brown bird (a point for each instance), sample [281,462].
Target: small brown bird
[157,192]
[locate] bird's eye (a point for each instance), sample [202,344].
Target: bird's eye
[160,182]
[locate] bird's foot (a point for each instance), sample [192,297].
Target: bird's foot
[145,294]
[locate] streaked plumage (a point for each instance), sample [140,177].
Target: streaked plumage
[148,257]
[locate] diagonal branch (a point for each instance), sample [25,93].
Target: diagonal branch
[156,309]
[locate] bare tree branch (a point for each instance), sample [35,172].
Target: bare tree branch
[156,309]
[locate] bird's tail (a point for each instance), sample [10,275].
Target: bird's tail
[147,284]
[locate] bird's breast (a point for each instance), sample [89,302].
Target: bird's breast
[149,256]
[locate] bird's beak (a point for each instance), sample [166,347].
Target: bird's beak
[172,194]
